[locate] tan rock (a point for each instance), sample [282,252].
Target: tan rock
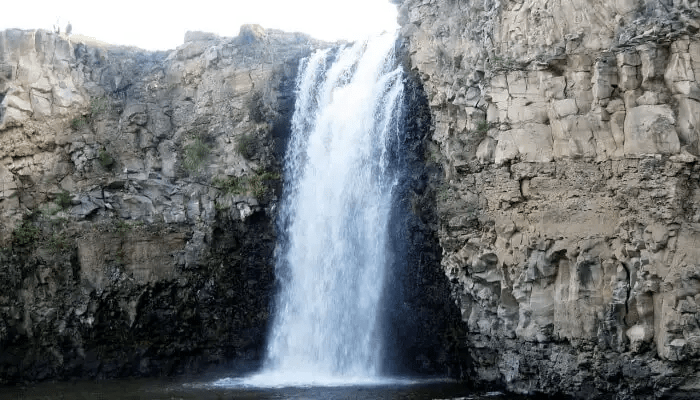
[628,79]
[615,105]
[679,70]
[649,98]
[532,143]
[146,258]
[687,88]
[650,130]
[40,103]
[630,97]
[653,63]
[8,186]
[522,110]
[485,151]
[688,122]
[573,138]
[617,128]
[604,77]
[628,58]
[552,87]
[564,108]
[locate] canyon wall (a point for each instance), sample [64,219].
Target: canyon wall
[569,217]
[138,192]
[138,201]
[137,198]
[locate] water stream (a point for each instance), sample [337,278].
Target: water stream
[334,217]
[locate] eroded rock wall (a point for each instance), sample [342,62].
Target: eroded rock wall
[568,133]
[137,196]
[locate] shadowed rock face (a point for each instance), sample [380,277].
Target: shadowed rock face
[137,197]
[422,329]
[568,136]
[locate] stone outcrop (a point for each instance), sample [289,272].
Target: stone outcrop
[137,197]
[568,134]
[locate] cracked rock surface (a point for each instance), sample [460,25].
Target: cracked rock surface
[568,135]
[137,198]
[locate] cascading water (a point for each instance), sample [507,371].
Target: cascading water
[334,218]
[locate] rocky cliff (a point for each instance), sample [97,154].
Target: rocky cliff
[137,196]
[568,134]
[138,193]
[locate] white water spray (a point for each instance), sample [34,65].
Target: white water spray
[334,218]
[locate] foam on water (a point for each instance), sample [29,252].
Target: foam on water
[282,380]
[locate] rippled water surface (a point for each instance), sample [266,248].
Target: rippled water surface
[223,388]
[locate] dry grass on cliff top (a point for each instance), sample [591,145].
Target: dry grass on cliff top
[89,40]
[92,42]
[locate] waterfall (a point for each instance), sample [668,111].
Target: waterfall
[334,217]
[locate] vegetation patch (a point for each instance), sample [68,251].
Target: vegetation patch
[58,242]
[195,154]
[42,229]
[63,200]
[25,234]
[431,153]
[120,258]
[245,145]
[257,184]
[60,203]
[106,159]
[483,126]
[229,184]
[98,106]
[51,210]
[122,228]
[219,206]
[78,122]
[256,107]
[445,192]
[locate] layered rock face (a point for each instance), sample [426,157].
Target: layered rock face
[137,195]
[568,133]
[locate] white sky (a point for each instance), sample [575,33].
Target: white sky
[161,25]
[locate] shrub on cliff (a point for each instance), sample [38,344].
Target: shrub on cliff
[63,200]
[245,144]
[98,106]
[78,122]
[195,154]
[256,184]
[25,234]
[106,159]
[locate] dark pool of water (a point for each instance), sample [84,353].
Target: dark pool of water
[202,388]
